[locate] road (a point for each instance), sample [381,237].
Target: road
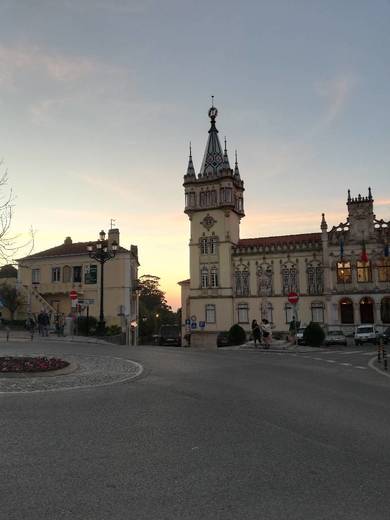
[202,435]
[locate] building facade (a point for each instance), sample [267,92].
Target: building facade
[342,274]
[47,278]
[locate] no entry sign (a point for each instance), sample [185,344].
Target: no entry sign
[73,295]
[293,297]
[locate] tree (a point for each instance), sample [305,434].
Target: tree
[313,334]
[8,242]
[237,335]
[154,310]
[10,298]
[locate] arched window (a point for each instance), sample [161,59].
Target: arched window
[66,274]
[204,277]
[267,311]
[385,310]
[384,270]
[264,280]
[346,311]
[289,279]
[315,279]
[213,245]
[243,314]
[202,198]
[289,310]
[241,282]
[203,246]
[364,273]
[317,312]
[210,313]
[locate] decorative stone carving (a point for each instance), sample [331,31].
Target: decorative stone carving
[208,222]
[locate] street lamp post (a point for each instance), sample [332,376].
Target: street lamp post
[102,254]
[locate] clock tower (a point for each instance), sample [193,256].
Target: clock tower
[214,204]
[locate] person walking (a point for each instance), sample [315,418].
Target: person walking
[256,332]
[266,332]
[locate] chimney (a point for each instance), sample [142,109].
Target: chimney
[113,236]
[67,241]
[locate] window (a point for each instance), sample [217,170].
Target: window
[77,273]
[364,271]
[226,195]
[66,272]
[243,314]
[214,277]
[264,281]
[267,311]
[317,312]
[55,274]
[242,282]
[204,277]
[290,279]
[210,313]
[344,272]
[203,246]
[385,310]
[315,279]
[35,275]
[346,311]
[289,310]
[213,245]
[90,274]
[384,270]
[202,198]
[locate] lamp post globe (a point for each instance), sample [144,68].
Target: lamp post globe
[101,252]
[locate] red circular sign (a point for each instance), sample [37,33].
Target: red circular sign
[73,295]
[293,297]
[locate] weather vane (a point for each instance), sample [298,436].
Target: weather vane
[112,223]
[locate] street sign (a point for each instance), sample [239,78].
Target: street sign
[202,324]
[73,295]
[86,301]
[293,297]
[193,317]
[188,321]
[193,325]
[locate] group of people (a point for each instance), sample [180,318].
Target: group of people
[262,333]
[43,323]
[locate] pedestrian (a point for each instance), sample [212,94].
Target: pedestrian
[30,326]
[45,323]
[256,332]
[40,323]
[266,332]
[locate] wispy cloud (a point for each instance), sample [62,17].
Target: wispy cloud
[336,92]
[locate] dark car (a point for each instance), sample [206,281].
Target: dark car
[386,336]
[170,335]
[223,339]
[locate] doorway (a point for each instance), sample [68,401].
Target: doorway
[366,310]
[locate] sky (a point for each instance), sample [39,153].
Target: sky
[100,98]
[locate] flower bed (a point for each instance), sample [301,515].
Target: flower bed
[31,364]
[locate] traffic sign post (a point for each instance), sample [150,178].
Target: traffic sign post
[73,295]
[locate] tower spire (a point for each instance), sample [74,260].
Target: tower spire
[236,170]
[190,168]
[213,159]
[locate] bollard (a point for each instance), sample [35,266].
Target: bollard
[379,350]
[384,358]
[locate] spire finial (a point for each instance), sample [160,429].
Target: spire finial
[225,146]
[236,155]
[212,101]
[349,195]
[369,193]
[236,170]
[190,151]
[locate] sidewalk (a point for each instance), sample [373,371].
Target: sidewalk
[278,346]
[25,337]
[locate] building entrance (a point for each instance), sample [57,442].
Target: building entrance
[366,310]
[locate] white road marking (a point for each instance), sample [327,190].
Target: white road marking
[346,364]
[330,360]
[361,368]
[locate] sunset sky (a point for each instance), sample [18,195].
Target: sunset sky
[100,98]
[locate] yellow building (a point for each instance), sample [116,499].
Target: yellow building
[48,278]
[342,276]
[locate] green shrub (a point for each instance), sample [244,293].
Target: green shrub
[113,330]
[313,335]
[237,335]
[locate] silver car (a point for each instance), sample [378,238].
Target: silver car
[335,337]
[366,334]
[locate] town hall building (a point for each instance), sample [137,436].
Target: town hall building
[341,274]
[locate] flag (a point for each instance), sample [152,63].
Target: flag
[341,250]
[364,255]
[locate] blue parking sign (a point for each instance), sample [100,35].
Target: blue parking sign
[202,324]
[193,325]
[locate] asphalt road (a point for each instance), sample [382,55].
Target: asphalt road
[202,435]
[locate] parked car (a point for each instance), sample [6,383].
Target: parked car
[223,339]
[299,336]
[335,337]
[366,334]
[170,335]
[386,336]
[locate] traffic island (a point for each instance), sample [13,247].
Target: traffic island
[33,366]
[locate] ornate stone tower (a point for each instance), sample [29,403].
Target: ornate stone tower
[214,204]
[361,216]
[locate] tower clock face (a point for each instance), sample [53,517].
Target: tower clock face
[213,112]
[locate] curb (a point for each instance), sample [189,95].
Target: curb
[371,365]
